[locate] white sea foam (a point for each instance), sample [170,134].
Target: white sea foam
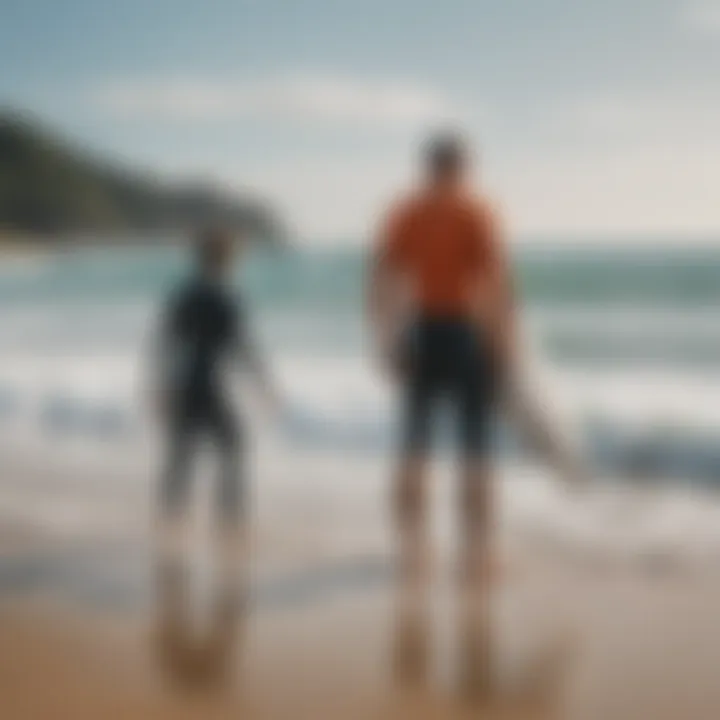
[71,410]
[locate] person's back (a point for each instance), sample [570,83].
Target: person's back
[443,240]
[440,306]
[205,327]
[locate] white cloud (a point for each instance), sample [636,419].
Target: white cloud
[327,199]
[686,117]
[646,162]
[702,17]
[620,163]
[654,188]
[306,98]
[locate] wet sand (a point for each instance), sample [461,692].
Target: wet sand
[318,625]
[337,639]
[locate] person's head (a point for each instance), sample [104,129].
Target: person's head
[446,157]
[214,252]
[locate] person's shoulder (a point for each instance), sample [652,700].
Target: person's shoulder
[216,296]
[235,300]
[176,303]
[183,292]
[404,204]
[481,205]
[230,299]
[176,294]
[483,211]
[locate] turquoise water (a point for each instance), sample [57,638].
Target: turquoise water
[684,277]
[624,342]
[625,337]
[590,305]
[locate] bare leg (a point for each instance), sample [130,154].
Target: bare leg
[477,683]
[476,522]
[412,632]
[174,490]
[411,516]
[232,515]
[191,658]
[476,671]
[231,483]
[535,687]
[231,503]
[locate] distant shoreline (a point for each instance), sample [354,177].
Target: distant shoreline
[19,244]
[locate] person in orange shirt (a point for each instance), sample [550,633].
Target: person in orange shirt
[442,315]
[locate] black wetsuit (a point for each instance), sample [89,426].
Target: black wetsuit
[447,358]
[203,330]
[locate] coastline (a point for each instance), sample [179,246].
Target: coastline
[24,244]
[19,245]
[635,645]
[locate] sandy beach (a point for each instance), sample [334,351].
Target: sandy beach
[262,260]
[87,631]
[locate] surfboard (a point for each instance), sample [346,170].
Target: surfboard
[540,429]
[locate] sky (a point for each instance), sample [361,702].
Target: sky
[590,118]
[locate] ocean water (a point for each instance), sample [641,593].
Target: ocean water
[623,348]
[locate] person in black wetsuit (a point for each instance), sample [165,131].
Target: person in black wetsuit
[203,330]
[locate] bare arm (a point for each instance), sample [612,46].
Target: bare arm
[496,305]
[162,355]
[380,291]
[534,422]
[506,309]
[384,290]
[251,356]
[256,363]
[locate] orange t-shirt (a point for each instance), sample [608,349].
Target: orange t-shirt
[448,245]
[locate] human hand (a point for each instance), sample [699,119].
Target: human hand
[159,403]
[391,358]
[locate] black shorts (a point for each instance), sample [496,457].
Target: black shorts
[448,359]
[197,412]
